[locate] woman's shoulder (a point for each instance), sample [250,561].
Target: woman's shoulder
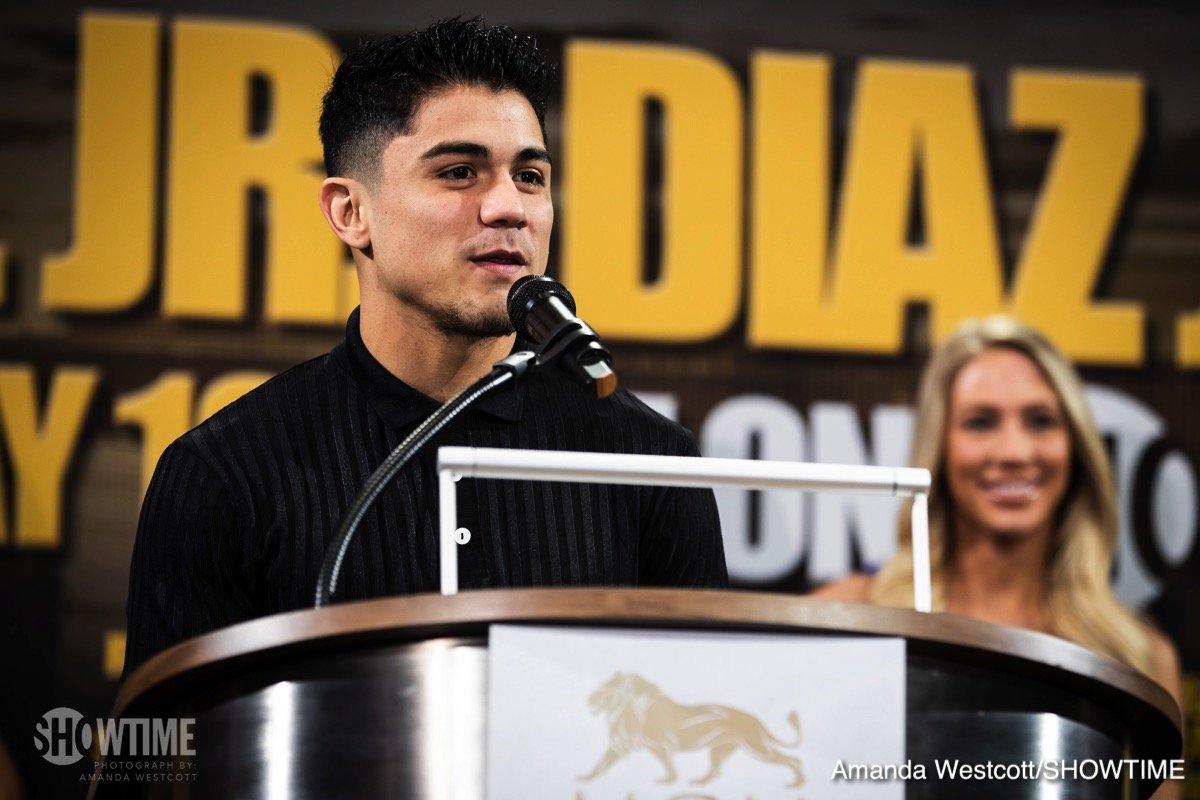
[854,588]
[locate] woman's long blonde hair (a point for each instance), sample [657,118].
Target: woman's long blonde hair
[1080,600]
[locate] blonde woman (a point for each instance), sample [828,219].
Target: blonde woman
[1022,514]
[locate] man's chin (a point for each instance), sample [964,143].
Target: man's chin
[482,326]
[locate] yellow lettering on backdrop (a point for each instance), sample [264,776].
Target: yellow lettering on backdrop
[1187,341]
[909,118]
[40,451]
[607,86]
[791,180]
[113,659]
[1100,132]
[224,389]
[215,158]
[163,411]
[110,263]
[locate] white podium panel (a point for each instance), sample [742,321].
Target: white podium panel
[652,715]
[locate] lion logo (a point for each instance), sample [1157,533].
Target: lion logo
[640,716]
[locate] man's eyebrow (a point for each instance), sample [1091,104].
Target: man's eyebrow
[471,149]
[534,154]
[476,150]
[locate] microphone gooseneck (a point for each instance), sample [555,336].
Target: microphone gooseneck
[511,368]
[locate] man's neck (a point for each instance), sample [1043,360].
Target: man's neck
[435,363]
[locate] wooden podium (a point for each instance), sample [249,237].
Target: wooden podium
[350,701]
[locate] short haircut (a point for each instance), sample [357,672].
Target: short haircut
[381,84]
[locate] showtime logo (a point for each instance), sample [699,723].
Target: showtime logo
[63,736]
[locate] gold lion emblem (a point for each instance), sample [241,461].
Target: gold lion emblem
[640,716]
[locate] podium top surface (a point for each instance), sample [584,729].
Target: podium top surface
[280,638]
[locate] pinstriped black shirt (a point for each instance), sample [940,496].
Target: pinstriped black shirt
[241,509]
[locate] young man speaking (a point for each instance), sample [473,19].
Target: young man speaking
[439,182]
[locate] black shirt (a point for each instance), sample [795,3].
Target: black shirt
[241,509]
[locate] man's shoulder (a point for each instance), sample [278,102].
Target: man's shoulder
[273,402]
[662,433]
[627,403]
[637,425]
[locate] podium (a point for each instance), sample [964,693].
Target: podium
[387,698]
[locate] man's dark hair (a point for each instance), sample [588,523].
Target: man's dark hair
[381,84]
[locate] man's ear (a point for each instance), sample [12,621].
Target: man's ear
[341,202]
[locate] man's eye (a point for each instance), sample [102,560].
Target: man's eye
[530,176]
[457,173]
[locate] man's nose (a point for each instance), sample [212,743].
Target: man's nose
[503,205]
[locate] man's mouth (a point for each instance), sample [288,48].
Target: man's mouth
[504,262]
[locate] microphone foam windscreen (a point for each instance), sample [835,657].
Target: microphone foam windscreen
[527,291]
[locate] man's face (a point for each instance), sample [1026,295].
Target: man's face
[462,209]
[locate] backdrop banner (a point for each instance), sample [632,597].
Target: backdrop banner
[770,212]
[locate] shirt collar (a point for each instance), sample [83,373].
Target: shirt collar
[399,404]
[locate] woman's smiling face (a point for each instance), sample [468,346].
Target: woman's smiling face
[1008,449]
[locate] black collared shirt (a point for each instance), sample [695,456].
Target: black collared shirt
[241,509]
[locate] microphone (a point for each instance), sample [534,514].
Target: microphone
[542,310]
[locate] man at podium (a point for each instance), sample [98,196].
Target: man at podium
[439,183]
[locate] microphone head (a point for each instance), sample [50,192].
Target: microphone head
[526,292]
